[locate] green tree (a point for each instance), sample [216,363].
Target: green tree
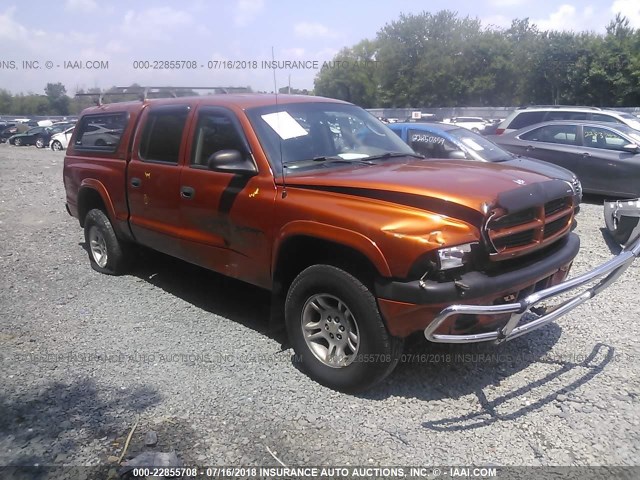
[58,100]
[352,75]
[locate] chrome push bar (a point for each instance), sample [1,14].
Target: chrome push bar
[610,270]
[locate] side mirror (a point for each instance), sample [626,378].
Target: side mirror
[632,147]
[231,161]
[457,155]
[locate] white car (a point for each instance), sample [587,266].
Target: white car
[60,141]
[475,124]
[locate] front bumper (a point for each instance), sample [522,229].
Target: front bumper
[607,273]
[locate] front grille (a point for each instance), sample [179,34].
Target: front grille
[554,227]
[515,240]
[554,206]
[519,233]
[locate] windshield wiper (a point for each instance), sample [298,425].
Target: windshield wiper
[394,155]
[336,158]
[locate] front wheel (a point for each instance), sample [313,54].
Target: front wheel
[56,145]
[336,330]
[17,142]
[106,252]
[39,143]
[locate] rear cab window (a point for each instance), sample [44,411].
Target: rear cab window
[100,132]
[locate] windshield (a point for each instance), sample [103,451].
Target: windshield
[479,146]
[311,135]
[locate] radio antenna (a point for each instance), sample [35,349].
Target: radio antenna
[275,90]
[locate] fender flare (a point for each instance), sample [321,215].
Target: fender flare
[96,185]
[333,234]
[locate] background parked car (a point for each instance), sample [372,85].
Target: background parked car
[604,156]
[45,140]
[12,130]
[475,124]
[60,141]
[523,117]
[38,136]
[442,140]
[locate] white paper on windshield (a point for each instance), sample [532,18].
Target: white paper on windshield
[469,142]
[352,156]
[284,125]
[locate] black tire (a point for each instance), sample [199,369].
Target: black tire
[377,352]
[99,235]
[56,146]
[39,142]
[624,228]
[17,142]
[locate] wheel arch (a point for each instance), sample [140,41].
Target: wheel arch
[309,243]
[93,194]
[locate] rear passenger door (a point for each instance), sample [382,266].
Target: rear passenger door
[153,179]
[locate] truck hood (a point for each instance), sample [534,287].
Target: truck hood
[460,189]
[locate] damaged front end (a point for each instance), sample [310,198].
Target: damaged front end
[622,218]
[531,312]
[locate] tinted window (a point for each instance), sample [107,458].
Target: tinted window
[215,131]
[162,134]
[101,132]
[560,115]
[595,137]
[564,134]
[525,119]
[600,117]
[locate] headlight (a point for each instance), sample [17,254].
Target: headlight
[577,187]
[454,257]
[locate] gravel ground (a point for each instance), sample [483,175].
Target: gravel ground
[190,355]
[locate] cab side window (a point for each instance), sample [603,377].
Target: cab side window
[215,131]
[162,134]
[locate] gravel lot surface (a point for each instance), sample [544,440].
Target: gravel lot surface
[190,356]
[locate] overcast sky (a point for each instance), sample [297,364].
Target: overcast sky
[121,32]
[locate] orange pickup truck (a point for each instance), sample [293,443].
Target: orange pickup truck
[361,241]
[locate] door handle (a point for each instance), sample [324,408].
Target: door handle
[136,182]
[187,192]
[530,147]
[586,154]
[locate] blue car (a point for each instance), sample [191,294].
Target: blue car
[441,140]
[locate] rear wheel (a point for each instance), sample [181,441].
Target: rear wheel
[39,143]
[336,329]
[106,252]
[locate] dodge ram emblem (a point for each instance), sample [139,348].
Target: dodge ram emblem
[519,181]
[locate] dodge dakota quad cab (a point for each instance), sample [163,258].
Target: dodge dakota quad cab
[361,241]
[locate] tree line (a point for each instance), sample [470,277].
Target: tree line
[444,60]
